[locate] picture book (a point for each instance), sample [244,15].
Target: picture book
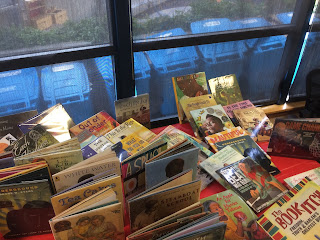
[98,217]
[163,200]
[249,148]
[313,174]
[98,145]
[6,141]
[137,107]
[188,86]
[99,124]
[255,121]
[253,183]
[238,105]
[295,215]
[25,209]
[128,127]
[225,89]
[211,120]
[55,120]
[224,135]
[189,104]
[9,124]
[220,159]
[233,211]
[297,139]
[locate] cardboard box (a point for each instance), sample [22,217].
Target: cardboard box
[42,22]
[59,16]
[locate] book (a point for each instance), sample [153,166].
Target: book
[225,89]
[296,214]
[98,145]
[238,105]
[253,183]
[249,148]
[255,121]
[99,124]
[233,211]
[224,135]
[9,124]
[137,107]
[188,86]
[6,141]
[313,174]
[211,120]
[298,139]
[189,104]
[55,120]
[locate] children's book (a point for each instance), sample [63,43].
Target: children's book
[188,86]
[313,174]
[295,215]
[297,139]
[225,89]
[253,183]
[55,120]
[224,135]
[249,148]
[98,145]
[137,107]
[211,120]
[189,104]
[238,105]
[99,124]
[6,141]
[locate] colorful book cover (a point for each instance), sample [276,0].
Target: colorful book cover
[255,121]
[313,175]
[233,211]
[296,215]
[98,145]
[128,127]
[9,124]
[25,209]
[137,107]
[188,86]
[224,135]
[6,141]
[253,183]
[297,139]
[249,148]
[211,120]
[189,104]
[238,105]
[100,124]
[225,89]
[55,120]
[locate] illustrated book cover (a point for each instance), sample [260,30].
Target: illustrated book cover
[295,215]
[6,141]
[313,174]
[98,145]
[137,107]
[238,105]
[225,89]
[188,86]
[253,183]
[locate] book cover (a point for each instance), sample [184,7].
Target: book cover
[224,135]
[137,107]
[296,214]
[98,145]
[99,124]
[128,127]
[249,148]
[313,175]
[211,120]
[225,89]
[233,211]
[253,183]
[238,105]
[25,209]
[188,86]
[9,124]
[6,141]
[297,139]
[55,120]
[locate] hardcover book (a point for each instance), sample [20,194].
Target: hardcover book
[188,86]
[253,183]
[296,214]
[297,139]
[225,89]
[238,105]
[6,141]
[313,175]
[98,145]
[137,107]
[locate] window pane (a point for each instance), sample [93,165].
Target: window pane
[255,63]
[84,88]
[31,26]
[194,16]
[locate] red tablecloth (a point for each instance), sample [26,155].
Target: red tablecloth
[287,166]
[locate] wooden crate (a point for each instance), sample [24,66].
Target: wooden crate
[42,22]
[59,16]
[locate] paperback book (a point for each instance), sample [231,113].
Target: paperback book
[313,174]
[98,145]
[238,105]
